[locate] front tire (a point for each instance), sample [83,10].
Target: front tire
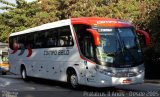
[74,81]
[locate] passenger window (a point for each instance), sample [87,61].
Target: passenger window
[39,39]
[21,41]
[11,42]
[65,37]
[29,40]
[51,37]
[55,37]
[15,43]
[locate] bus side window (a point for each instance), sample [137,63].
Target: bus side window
[51,37]
[29,42]
[11,43]
[65,37]
[39,39]
[15,42]
[61,42]
[70,40]
[50,41]
[21,41]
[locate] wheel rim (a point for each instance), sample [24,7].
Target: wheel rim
[23,74]
[74,81]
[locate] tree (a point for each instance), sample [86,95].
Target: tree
[17,18]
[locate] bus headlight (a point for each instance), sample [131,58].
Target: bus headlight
[104,71]
[140,71]
[141,68]
[109,73]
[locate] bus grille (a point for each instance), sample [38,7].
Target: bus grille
[125,74]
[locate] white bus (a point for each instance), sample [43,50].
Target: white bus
[98,52]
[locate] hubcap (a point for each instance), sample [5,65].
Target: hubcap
[74,80]
[23,74]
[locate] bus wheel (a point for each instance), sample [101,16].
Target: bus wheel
[24,74]
[74,81]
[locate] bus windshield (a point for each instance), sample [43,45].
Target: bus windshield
[119,47]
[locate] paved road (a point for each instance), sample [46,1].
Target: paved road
[14,86]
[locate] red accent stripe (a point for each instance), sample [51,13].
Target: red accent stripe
[14,51]
[80,22]
[15,48]
[29,51]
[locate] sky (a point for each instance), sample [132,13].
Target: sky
[12,1]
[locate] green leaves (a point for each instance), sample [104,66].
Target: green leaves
[7,3]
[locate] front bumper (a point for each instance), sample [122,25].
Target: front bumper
[107,81]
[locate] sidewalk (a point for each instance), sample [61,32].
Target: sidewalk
[156,81]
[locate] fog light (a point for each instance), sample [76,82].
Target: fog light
[109,73]
[102,81]
[140,71]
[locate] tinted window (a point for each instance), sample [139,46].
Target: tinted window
[51,37]
[11,42]
[64,37]
[21,41]
[39,39]
[55,37]
[29,42]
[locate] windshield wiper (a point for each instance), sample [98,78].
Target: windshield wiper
[110,54]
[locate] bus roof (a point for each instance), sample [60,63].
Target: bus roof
[44,27]
[97,21]
[92,21]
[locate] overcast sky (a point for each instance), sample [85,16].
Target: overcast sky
[12,1]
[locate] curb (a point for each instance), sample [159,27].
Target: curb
[152,81]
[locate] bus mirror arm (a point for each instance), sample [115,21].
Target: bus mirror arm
[95,35]
[146,38]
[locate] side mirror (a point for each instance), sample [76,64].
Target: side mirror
[144,38]
[95,35]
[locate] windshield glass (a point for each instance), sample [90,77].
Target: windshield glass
[119,47]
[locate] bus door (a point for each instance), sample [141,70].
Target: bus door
[87,50]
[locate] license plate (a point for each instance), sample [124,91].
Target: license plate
[127,81]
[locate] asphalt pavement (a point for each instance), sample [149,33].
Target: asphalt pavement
[13,86]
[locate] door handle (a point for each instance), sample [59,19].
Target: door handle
[76,64]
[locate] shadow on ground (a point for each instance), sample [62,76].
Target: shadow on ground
[68,86]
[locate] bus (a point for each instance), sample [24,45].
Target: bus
[91,51]
[4,66]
